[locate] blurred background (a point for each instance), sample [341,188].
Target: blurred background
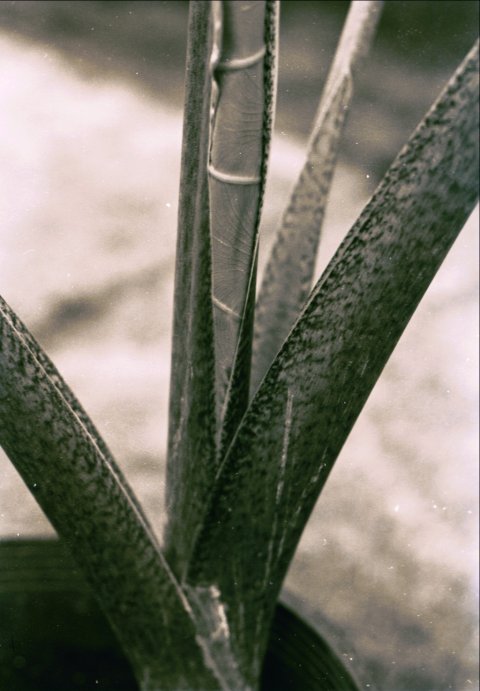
[90,137]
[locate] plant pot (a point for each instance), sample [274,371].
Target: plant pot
[54,637]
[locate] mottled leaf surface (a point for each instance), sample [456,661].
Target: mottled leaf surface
[90,506]
[191,446]
[311,396]
[288,275]
[57,379]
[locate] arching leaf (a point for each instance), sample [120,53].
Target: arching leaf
[311,396]
[288,275]
[82,493]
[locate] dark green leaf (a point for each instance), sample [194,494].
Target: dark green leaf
[233,214]
[288,275]
[310,398]
[65,391]
[43,431]
[191,446]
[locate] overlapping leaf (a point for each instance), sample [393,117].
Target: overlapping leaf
[288,275]
[191,446]
[245,80]
[226,132]
[310,398]
[66,467]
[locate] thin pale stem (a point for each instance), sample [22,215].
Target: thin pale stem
[235,172]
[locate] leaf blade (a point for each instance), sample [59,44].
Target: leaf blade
[191,463]
[91,507]
[312,394]
[288,275]
[56,378]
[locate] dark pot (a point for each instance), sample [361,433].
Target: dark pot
[53,636]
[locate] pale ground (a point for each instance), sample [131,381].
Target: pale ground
[89,177]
